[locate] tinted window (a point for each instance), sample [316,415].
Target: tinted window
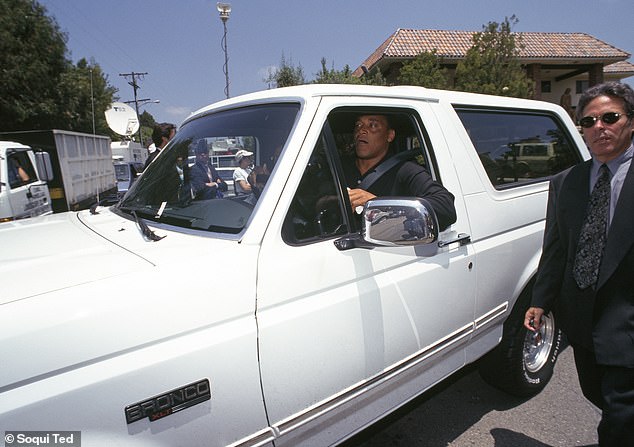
[517,147]
[317,210]
[122,172]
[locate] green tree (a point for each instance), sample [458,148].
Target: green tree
[376,79]
[40,88]
[85,95]
[147,122]
[287,74]
[32,61]
[491,65]
[332,76]
[425,70]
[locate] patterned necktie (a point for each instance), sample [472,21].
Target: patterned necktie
[593,233]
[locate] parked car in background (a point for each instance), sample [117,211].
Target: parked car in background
[126,173]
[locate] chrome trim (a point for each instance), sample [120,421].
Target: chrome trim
[287,425]
[259,438]
[492,315]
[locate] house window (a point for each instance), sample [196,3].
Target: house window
[546,87]
[582,86]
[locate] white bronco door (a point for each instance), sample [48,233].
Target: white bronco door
[346,335]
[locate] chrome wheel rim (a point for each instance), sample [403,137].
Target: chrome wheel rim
[537,345]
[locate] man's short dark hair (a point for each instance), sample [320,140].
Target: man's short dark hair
[611,89]
[161,130]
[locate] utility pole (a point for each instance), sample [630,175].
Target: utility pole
[135,86]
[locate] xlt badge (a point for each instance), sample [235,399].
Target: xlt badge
[170,402]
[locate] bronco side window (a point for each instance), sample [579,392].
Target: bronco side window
[320,208]
[517,147]
[317,210]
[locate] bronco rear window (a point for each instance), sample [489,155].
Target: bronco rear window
[516,146]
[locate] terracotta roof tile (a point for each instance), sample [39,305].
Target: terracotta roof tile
[407,43]
[622,67]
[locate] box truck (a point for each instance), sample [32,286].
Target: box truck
[82,166]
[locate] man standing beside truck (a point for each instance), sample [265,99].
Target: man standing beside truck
[587,265]
[161,135]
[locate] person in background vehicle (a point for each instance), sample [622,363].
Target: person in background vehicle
[372,137]
[17,174]
[587,276]
[178,182]
[257,180]
[241,174]
[161,135]
[206,182]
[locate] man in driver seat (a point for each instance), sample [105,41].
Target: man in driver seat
[372,137]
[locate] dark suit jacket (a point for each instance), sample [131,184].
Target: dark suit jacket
[407,178]
[199,178]
[601,319]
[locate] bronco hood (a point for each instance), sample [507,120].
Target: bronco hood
[56,252]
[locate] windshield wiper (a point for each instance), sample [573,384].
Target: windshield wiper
[97,204]
[151,235]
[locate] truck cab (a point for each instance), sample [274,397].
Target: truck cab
[23,177]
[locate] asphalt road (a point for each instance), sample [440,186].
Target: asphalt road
[465,411]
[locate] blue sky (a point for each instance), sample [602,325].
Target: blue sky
[178,42]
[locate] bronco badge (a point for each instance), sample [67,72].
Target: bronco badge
[168,403]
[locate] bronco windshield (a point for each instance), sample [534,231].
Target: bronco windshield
[210,176]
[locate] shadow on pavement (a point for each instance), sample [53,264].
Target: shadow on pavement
[442,414]
[452,410]
[507,438]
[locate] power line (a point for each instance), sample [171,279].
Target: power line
[135,87]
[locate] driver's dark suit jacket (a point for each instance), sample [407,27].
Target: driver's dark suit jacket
[600,319]
[409,179]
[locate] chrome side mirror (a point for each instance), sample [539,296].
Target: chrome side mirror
[393,222]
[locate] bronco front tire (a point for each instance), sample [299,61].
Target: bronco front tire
[524,361]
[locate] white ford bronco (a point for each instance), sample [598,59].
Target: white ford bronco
[284,317]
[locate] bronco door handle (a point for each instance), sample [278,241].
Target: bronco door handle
[461,238]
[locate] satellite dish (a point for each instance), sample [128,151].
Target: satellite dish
[122,119]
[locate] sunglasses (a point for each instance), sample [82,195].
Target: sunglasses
[607,118]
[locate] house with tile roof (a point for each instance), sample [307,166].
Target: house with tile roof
[554,61]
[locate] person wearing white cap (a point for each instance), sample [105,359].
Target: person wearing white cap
[241,174]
